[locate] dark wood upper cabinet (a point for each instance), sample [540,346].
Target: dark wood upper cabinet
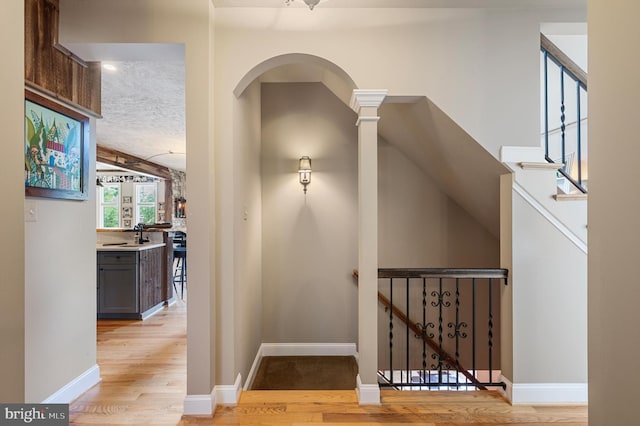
[52,69]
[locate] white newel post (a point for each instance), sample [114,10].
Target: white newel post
[365,103]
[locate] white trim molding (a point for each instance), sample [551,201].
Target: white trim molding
[522,154]
[310,349]
[229,394]
[199,405]
[545,393]
[507,392]
[298,349]
[367,394]
[367,118]
[367,98]
[254,368]
[75,387]
[549,393]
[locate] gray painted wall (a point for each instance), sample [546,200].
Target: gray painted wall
[248,240]
[310,244]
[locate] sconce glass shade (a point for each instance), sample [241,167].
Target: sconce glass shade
[304,170]
[180,207]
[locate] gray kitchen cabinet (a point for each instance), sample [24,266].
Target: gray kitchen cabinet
[130,283]
[118,284]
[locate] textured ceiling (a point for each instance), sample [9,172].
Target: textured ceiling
[143,109]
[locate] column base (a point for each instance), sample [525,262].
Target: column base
[367,394]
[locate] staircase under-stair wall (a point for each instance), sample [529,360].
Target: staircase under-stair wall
[544,246]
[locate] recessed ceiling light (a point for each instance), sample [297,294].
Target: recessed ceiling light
[109,67]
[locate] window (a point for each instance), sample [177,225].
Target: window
[146,203]
[109,209]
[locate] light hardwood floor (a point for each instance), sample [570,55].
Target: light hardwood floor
[143,366]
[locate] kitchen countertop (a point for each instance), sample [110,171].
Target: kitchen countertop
[127,246]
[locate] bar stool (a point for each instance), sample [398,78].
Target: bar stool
[180,268]
[180,261]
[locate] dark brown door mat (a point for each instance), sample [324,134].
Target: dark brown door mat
[306,373]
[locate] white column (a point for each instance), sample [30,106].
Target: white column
[366,103]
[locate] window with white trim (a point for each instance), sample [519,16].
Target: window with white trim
[146,203]
[109,209]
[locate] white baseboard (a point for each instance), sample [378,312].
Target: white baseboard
[199,405]
[76,387]
[518,154]
[508,392]
[151,312]
[546,393]
[367,394]
[229,394]
[308,349]
[299,349]
[205,405]
[254,368]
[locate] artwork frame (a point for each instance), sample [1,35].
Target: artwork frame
[127,212]
[56,154]
[126,199]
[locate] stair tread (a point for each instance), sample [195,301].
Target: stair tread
[543,165]
[570,197]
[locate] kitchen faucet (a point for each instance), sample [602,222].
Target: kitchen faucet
[138,228]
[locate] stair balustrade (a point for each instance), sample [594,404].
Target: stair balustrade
[564,115]
[442,327]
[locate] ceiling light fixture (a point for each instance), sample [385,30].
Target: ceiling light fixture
[109,67]
[310,3]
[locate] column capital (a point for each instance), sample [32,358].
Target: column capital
[367,98]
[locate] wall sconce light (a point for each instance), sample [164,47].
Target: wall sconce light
[304,170]
[181,207]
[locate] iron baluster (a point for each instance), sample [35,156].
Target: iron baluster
[579,134]
[440,333]
[391,331]
[490,331]
[440,303]
[562,119]
[546,103]
[424,321]
[473,328]
[457,327]
[408,379]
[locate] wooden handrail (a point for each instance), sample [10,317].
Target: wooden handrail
[442,273]
[563,59]
[418,332]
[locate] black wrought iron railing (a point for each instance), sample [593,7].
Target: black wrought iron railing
[442,327]
[564,115]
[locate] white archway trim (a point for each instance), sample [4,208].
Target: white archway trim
[289,59]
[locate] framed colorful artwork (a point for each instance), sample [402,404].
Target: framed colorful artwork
[56,145]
